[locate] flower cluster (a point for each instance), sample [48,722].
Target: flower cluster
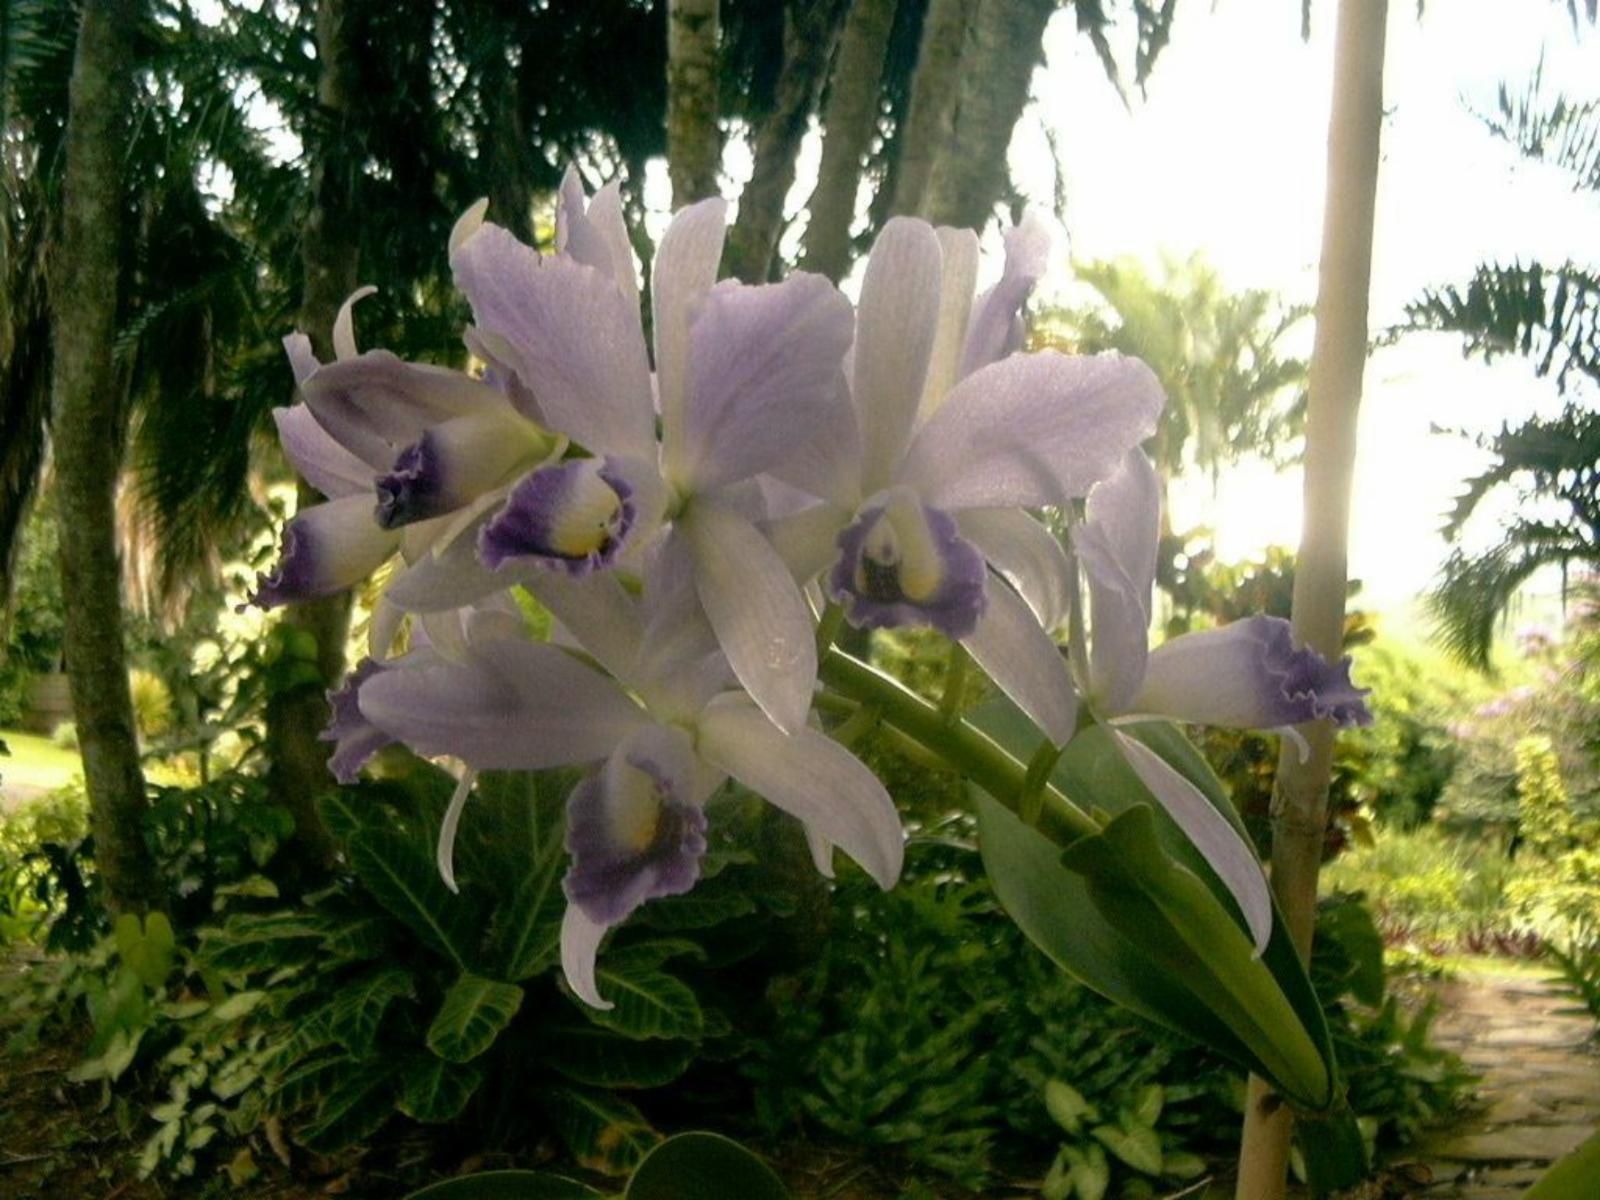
[686,506]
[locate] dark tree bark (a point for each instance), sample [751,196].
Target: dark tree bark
[810,32]
[694,140]
[849,118]
[89,435]
[932,104]
[1001,49]
[506,145]
[299,760]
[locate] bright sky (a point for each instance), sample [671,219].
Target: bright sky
[1227,155]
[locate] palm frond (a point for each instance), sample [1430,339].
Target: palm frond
[1556,130]
[1550,316]
[1474,590]
[1552,459]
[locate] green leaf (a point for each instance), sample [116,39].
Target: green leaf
[1572,1178]
[357,1010]
[604,1133]
[1066,1105]
[472,1015]
[1147,1107]
[693,1166]
[360,937]
[342,813]
[1090,1173]
[595,1056]
[507,1185]
[432,1090]
[1352,927]
[648,1002]
[353,1109]
[525,939]
[147,949]
[1139,1148]
[406,882]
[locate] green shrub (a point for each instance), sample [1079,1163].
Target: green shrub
[65,736]
[152,704]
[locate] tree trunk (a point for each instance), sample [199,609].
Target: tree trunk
[969,173]
[932,104]
[1299,808]
[810,32]
[506,147]
[295,716]
[848,124]
[694,141]
[89,436]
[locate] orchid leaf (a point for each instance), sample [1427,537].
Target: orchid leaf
[695,1165]
[1571,1178]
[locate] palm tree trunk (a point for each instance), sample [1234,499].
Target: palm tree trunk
[299,770]
[89,435]
[848,123]
[694,142]
[810,32]
[933,97]
[969,172]
[1299,806]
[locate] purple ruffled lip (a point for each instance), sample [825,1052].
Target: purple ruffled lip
[356,738]
[608,879]
[871,594]
[294,576]
[1310,687]
[525,530]
[413,490]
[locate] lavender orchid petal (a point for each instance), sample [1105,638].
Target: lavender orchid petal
[576,237]
[1119,619]
[574,516]
[897,318]
[570,335]
[445,852]
[344,323]
[1033,430]
[449,575]
[903,563]
[1128,507]
[762,365]
[580,942]
[811,777]
[761,619]
[382,629]
[959,248]
[826,461]
[1016,652]
[599,614]
[1249,675]
[514,705]
[996,329]
[302,358]
[808,540]
[1026,553]
[317,457]
[355,738]
[605,214]
[1213,836]
[685,268]
[326,548]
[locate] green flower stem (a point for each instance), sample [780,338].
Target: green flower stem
[828,626]
[957,744]
[955,683]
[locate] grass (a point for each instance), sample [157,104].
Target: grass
[37,762]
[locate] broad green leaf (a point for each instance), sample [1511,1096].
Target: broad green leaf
[343,812]
[604,1133]
[238,1005]
[259,941]
[1147,1106]
[525,938]
[595,1056]
[357,1009]
[1139,1148]
[1352,927]
[432,1090]
[1066,1105]
[707,905]
[1090,1173]
[648,1002]
[694,1166]
[472,1015]
[507,1185]
[405,881]
[360,937]
[148,949]
[308,1082]
[1572,1178]
[357,1104]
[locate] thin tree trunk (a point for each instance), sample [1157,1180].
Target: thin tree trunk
[89,436]
[1300,802]
[810,32]
[299,770]
[969,172]
[507,149]
[694,141]
[848,122]
[933,98]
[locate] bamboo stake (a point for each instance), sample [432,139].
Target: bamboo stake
[1299,809]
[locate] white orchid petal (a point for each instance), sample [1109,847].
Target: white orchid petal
[1026,553]
[685,268]
[956,282]
[445,855]
[1016,652]
[580,942]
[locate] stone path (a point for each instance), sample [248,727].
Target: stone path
[1540,1087]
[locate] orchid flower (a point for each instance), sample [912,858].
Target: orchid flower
[941,439]
[1245,675]
[659,734]
[742,374]
[399,449]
